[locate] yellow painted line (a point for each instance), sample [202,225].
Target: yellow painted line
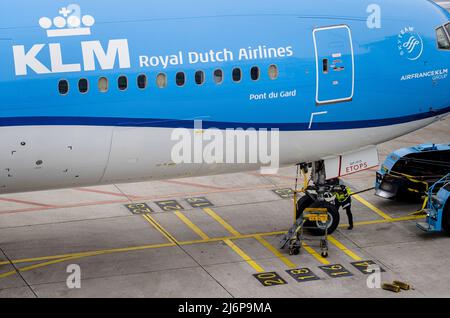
[138,248]
[216,217]
[85,254]
[372,207]
[7,274]
[393,220]
[161,229]
[316,255]
[29,268]
[193,227]
[46,258]
[239,237]
[163,245]
[244,256]
[275,251]
[343,248]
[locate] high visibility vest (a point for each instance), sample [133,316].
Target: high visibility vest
[343,196]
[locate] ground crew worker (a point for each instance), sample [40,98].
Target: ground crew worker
[343,199]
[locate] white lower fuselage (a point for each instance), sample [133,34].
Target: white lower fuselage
[46,157]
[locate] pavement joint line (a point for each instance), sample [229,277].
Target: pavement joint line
[244,256]
[191,225]
[344,249]
[276,252]
[161,229]
[372,207]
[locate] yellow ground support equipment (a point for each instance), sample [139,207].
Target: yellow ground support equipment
[295,237]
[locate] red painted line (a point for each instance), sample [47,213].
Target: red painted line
[26,202]
[149,198]
[272,175]
[63,206]
[107,193]
[197,185]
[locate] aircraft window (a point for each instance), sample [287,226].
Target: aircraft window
[161,80]
[142,81]
[325,67]
[237,75]
[122,82]
[83,85]
[103,84]
[443,41]
[273,72]
[180,79]
[218,76]
[447,26]
[254,73]
[199,77]
[63,87]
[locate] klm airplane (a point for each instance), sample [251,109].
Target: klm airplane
[91,92]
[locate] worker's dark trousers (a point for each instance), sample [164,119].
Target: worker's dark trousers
[348,210]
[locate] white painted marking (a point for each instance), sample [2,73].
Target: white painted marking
[315,114]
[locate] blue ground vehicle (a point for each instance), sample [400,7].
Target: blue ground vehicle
[410,172]
[438,210]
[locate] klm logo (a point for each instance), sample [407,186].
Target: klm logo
[70,23]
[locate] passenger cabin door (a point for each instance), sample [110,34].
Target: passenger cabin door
[335,64]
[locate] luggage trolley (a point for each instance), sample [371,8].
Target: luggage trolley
[295,237]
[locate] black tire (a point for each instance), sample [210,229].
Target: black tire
[295,251]
[333,213]
[446,219]
[303,203]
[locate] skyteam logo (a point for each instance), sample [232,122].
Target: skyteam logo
[68,26]
[410,44]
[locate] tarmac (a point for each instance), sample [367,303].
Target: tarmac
[214,236]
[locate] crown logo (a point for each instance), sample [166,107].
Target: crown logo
[67,24]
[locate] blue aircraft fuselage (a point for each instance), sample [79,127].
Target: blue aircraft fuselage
[324,70]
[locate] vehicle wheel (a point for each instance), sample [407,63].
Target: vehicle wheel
[318,228]
[294,251]
[324,254]
[333,219]
[446,219]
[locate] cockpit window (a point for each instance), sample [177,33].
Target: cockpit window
[442,39]
[447,26]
